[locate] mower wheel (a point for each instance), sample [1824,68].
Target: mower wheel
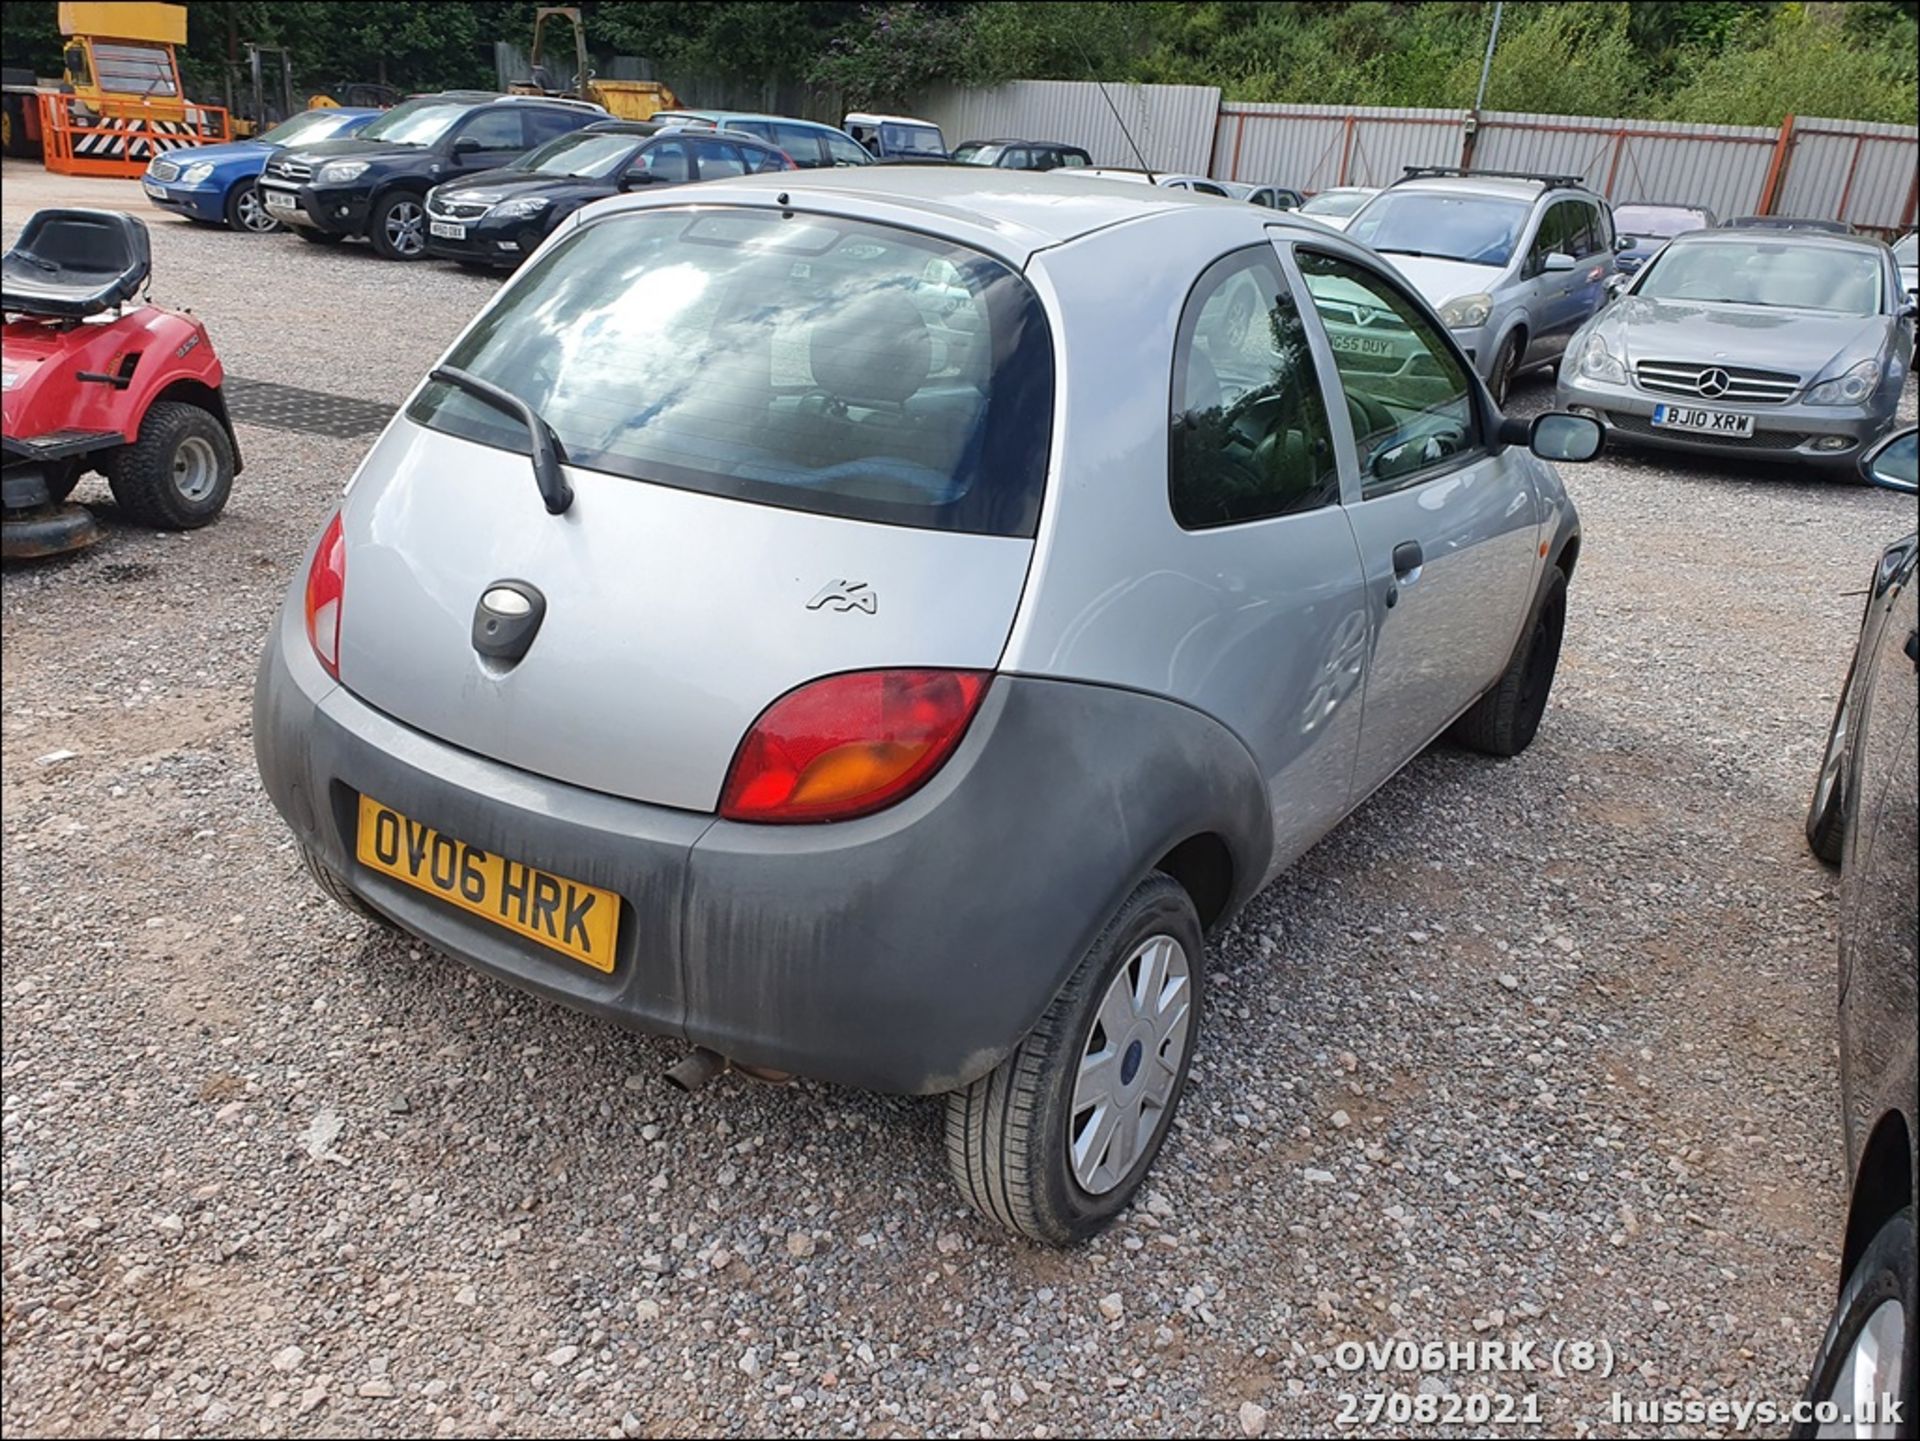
[178,473]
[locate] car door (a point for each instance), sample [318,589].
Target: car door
[1266,563]
[1446,525]
[1553,296]
[1595,263]
[488,138]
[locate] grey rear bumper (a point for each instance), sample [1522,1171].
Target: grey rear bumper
[906,951]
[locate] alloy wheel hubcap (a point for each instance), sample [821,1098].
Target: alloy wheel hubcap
[1872,1374]
[1129,1065]
[253,215]
[404,228]
[195,469]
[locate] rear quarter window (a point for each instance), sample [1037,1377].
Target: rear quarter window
[813,363]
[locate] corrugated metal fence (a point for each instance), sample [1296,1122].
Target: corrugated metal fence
[1828,169]
[1825,169]
[1172,124]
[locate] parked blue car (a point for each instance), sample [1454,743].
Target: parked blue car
[1650,227]
[214,184]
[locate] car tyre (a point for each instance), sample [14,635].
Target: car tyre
[1504,721]
[398,227]
[1500,379]
[317,237]
[178,472]
[1110,1055]
[337,891]
[1877,1296]
[246,213]
[1826,813]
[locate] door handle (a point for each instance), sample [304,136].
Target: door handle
[1407,560]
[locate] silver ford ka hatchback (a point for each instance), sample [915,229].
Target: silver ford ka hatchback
[873,624]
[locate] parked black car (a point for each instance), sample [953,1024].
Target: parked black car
[1865,817]
[499,217]
[376,183]
[1786,222]
[1021,155]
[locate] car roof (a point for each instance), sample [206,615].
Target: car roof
[1016,140]
[868,118]
[1780,235]
[1495,187]
[719,116]
[1011,213]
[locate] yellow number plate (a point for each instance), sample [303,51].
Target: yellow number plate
[576,920]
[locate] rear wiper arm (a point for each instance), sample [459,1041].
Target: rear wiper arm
[547,451]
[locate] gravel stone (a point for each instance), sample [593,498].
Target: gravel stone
[1619,1023]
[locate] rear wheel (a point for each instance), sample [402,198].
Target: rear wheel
[317,237]
[1826,813]
[1870,1352]
[1054,1142]
[245,212]
[398,229]
[178,472]
[1503,722]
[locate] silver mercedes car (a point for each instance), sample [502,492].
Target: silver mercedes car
[1785,345]
[873,624]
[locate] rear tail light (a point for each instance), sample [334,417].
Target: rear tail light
[326,588]
[850,744]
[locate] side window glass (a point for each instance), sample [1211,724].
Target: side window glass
[1250,437]
[760,158]
[494,129]
[842,151]
[719,161]
[1603,229]
[1206,188]
[1018,159]
[545,125]
[1580,229]
[1074,159]
[1408,395]
[666,162]
[759,129]
[800,142]
[1551,236]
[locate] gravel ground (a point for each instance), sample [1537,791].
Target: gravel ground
[1529,1050]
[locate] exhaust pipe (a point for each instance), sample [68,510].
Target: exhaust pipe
[699,1067]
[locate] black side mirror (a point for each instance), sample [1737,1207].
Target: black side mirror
[635,179]
[1893,462]
[466,145]
[1557,435]
[1623,242]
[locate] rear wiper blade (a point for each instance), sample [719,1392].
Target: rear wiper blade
[547,451]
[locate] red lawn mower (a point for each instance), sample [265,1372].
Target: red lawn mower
[91,384]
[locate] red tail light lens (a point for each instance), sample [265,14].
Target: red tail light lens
[326,588]
[850,744]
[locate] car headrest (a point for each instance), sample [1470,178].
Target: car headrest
[876,350]
[1203,384]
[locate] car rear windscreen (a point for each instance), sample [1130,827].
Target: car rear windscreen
[809,362]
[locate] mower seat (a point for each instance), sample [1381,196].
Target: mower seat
[69,264]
